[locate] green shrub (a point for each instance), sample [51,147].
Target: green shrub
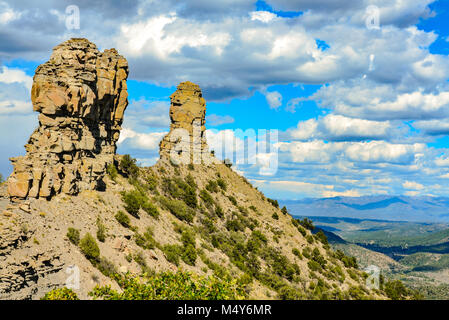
[60,294]
[89,247]
[313,265]
[212,186]
[306,223]
[284,210]
[321,237]
[234,225]
[317,257]
[275,216]
[133,201]
[106,267]
[73,235]
[181,190]
[256,241]
[309,238]
[233,200]
[352,274]
[172,286]
[129,167]
[151,209]
[140,260]
[170,188]
[222,184]
[306,252]
[191,181]
[189,197]
[172,253]
[301,230]
[123,219]
[288,293]
[146,240]
[209,226]
[396,290]
[274,203]
[259,236]
[178,208]
[207,198]
[219,211]
[151,182]
[243,210]
[112,171]
[189,255]
[101,230]
[349,262]
[297,253]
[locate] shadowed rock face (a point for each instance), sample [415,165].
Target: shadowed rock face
[186,141]
[81,95]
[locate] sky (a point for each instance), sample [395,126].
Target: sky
[357,91]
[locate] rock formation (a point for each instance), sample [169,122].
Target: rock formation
[186,141]
[81,95]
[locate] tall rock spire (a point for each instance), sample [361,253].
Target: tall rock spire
[186,141]
[81,95]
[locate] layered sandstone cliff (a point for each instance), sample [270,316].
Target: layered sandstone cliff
[81,95]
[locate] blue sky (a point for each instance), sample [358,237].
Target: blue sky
[360,110]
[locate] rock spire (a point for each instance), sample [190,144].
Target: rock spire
[81,95]
[186,141]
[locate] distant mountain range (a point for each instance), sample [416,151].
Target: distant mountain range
[390,208]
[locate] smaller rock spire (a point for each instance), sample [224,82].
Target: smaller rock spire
[186,141]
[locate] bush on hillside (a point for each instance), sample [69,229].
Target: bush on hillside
[172,253]
[101,230]
[89,247]
[212,186]
[222,184]
[171,286]
[60,294]
[178,208]
[112,171]
[129,167]
[123,219]
[73,235]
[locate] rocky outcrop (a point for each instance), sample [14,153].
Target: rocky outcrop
[81,95]
[186,141]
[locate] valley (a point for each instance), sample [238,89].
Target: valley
[415,252]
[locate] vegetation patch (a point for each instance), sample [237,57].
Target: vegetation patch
[60,294]
[171,286]
[123,219]
[73,235]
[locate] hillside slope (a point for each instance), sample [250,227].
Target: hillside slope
[237,231]
[104,216]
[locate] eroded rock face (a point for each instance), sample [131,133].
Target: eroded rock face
[186,141]
[81,96]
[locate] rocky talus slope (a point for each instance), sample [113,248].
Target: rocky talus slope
[203,218]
